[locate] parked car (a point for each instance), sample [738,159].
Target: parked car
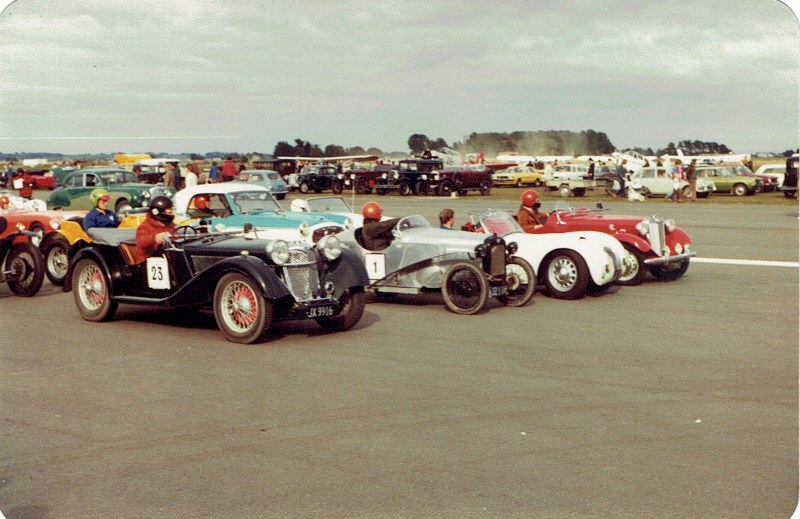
[232,205]
[269,179]
[320,177]
[775,171]
[249,283]
[569,264]
[363,180]
[652,244]
[462,180]
[21,263]
[517,176]
[151,171]
[43,180]
[657,181]
[125,189]
[467,268]
[408,176]
[730,179]
[569,172]
[789,186]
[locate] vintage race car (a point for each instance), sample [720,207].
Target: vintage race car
[652,244]
[568,265]
[234,204]
[465,267]
[249,282]
[21,263]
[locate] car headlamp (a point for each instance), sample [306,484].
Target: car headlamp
[436,177]
[396,175]
[55,224]
[36,239]
[304,230]
[678,248]
[642,228]
[278,250]
[512,247]
[480,250]
[669,224]
[352,176]
[424,177]
[384,176]
[330,247]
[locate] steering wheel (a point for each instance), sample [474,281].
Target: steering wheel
[182,231]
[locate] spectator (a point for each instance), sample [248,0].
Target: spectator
[691,176]
[169,174]
[229,170]
[191,175]
[213,172]
[24,183]
[590,174]
[677,178]
[622,175]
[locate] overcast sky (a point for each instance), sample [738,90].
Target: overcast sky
[81,76]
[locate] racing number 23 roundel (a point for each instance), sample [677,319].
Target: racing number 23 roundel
[157,273]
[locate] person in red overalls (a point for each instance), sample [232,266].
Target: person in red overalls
[529,216]
[150,233]
[24,183]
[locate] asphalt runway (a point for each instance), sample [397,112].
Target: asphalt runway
[663,400]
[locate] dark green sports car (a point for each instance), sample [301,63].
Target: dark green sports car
[125,189]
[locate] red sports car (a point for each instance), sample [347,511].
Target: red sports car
[653,244]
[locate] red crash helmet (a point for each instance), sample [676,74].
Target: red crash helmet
[4,201]
[529,198]
[201,202]
[372,211]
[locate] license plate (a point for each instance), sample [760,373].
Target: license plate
[499,290]
[321,311]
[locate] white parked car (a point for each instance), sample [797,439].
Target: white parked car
[567,264]
[776,171]
[568,172]
[656,181]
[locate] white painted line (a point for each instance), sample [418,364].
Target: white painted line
[754,263]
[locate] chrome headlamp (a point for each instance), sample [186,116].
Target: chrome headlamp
[330,247]
[512,247]
[384,176]
[304,230]
[396,175]
[424,176]
[278,250]
[480,250]
[669,224]
[55,223]
[642,228]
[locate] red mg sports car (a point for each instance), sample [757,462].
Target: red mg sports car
[653,244]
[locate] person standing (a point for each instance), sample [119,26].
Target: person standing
[24,183]
[447,217]
[100,215]
[169,175]
[677,178]
[622,174]
[213,172]
[691,177]
[229,170]
[591,169]
[191,175]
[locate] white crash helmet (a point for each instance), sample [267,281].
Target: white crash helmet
[299,205]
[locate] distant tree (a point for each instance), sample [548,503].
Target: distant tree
[356,150]
[195,156]
[418,143]
[283,149]
[372,151]
[334,150]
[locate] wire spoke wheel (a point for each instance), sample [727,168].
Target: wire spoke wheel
[241,311]
[91,291]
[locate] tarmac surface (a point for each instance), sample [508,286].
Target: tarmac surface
[675,399]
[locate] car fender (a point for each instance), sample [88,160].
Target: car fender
[593,246]
[347,272]
[200,288]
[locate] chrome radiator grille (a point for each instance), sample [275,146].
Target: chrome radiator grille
[300,274]
[656,235]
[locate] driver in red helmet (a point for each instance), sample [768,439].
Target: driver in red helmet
[376,234]
[529,216]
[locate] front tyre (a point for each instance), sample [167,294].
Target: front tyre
[520,283]
[740,190]
[242,313]
[353,302]
[465,289]
[337,187]
[303,188]
[669,272]
[565,274]
[56,260]
[27,265]
[91,291]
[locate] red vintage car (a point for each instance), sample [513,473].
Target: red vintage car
[653,244]
[44,181]
[51,244]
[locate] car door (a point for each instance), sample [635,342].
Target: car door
[78,187]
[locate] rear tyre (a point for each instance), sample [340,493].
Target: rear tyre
[486,188]
[361,187]
[336,187]
[465,289]
[56,260]
[404,188]
[27,265]
[445,188]
[303,188]
[122,205]
[92,292]
[565,274]
[352,309]
[422,188]
[520,283]
[242,313]
[564,191]
[740,190]
[634,263]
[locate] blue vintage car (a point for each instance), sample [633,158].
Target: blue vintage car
[269,179]
[232,205]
